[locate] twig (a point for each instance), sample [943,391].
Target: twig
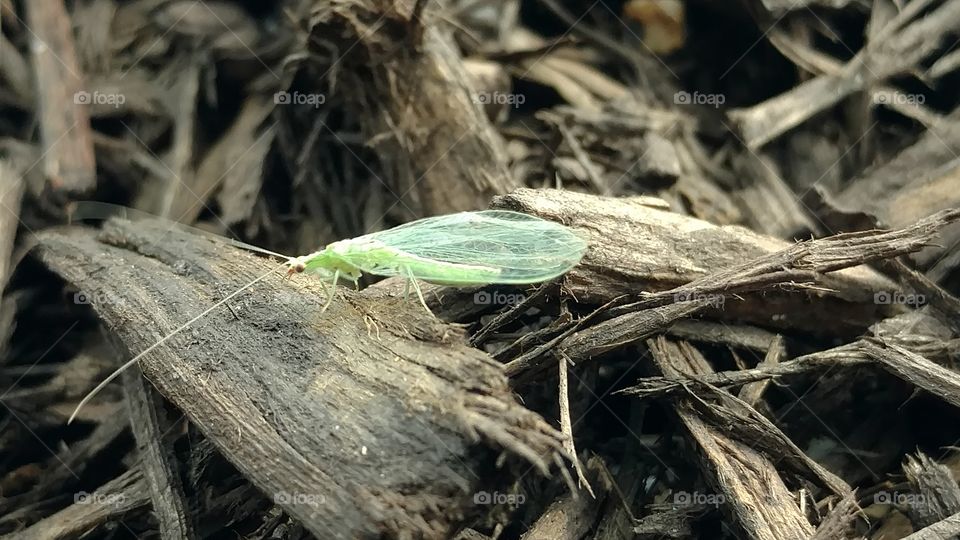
[566,426]
[68,160]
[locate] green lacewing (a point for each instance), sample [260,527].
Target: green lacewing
[462,249]
[467,248]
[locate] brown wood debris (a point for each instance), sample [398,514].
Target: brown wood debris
[761,341]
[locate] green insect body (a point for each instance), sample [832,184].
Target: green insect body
[350,258]
[468,248]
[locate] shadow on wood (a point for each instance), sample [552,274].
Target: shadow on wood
[374,419]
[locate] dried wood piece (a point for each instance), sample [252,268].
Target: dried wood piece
[176,173]
[914,183]
[767,202]
[157,464]
[11,193]
[234,165]
[628,118]
[68,159]
[839,520]
[846,355]
[937,490]
[616,516]
[750,484]
[704,185]
[893,51]
[416,105]
[566,425]
[635,249]
[737,336]
[664,30]
[915,369]
[63,467]
[945,306]
[947,529]
[365,421]
[740,421]
[124,494]
[946,64]
[513,313]
[634,142]
[593,173]
[625,329]
[916,331]
[524,51]
[572,515]
[670,522]
[15,72]
[609,162]
[490,78]
[766,121]
[922,332]
[918,181]
[811,158]
[525,365]
[229,29]
[781,8]
[752,393]
[570,90]
[470,534]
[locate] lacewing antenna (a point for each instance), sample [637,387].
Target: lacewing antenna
[164,339]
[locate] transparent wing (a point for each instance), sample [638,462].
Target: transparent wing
[492,246]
